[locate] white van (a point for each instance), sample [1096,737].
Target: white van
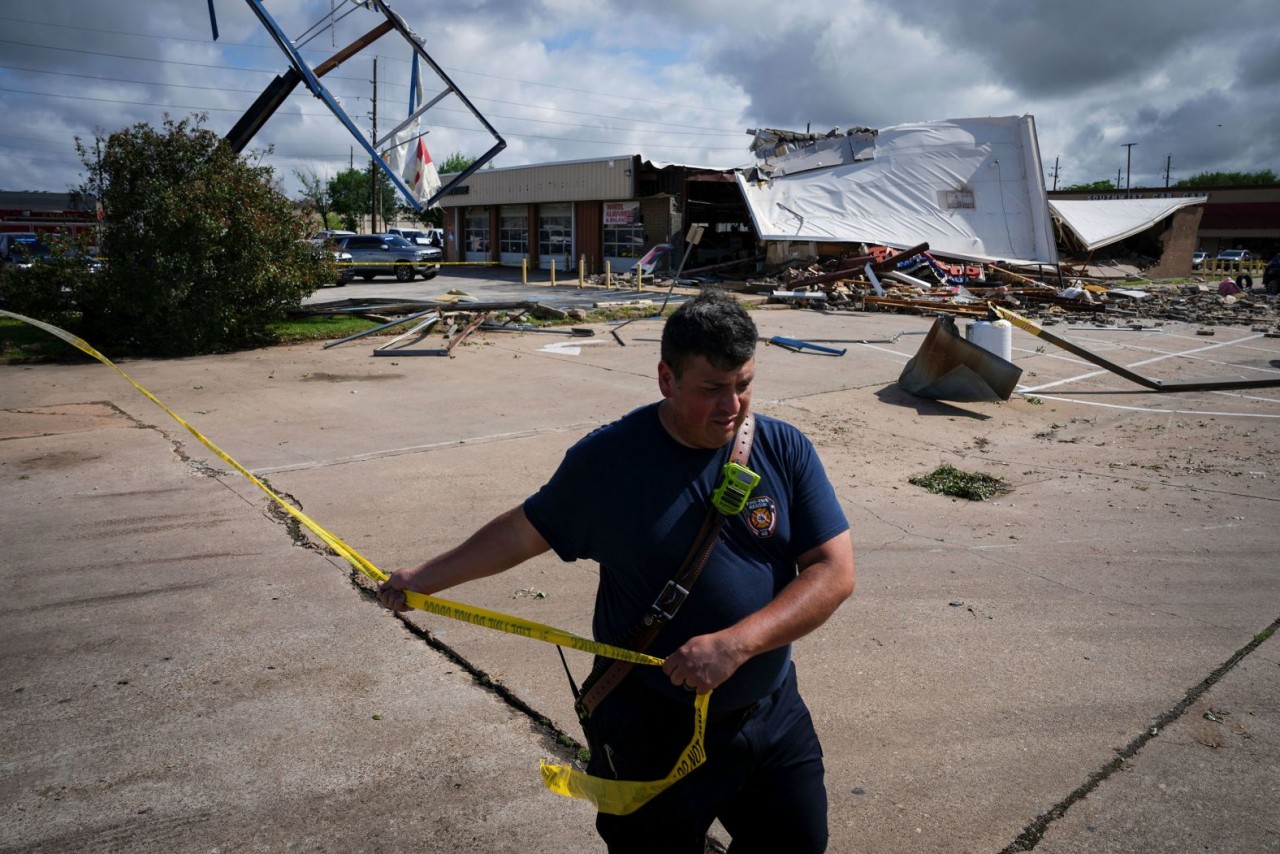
[421,236]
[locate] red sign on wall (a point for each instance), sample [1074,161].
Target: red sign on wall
[621,213]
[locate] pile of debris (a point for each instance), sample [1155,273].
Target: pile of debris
[917,281]
[457,319]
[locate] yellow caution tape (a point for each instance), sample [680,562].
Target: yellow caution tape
[617,797]
[620,797]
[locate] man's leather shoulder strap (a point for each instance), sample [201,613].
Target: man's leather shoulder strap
[607,675]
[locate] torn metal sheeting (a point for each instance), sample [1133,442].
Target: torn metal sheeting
[947,367]
[1154,385]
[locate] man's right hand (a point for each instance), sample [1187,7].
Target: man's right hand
[391,592]
[501,544]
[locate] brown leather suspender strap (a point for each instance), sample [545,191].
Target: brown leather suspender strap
[607,674]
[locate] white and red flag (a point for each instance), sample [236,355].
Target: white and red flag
[420,174]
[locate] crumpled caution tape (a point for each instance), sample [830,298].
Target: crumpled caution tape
[620,797]
[617,797]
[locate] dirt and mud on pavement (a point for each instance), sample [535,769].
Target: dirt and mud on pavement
[1083,662]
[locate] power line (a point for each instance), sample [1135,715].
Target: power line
[441,109]
[610,95]
[437,124]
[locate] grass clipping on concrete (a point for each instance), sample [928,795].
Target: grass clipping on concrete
[948,480]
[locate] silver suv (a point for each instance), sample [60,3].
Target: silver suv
[387,254]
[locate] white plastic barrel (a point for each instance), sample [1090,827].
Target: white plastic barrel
[992,336]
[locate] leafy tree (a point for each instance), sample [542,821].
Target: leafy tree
[348,193]
[456,162]
[1230,179]
[388,196]
[1095,187]
[203,251]
[314,194]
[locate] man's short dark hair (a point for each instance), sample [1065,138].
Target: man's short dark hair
[712,325]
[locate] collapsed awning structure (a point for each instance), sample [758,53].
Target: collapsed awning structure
[1095,224]
[972,189]
[402,153]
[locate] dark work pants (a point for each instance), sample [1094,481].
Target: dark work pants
[763,776]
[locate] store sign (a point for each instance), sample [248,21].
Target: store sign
[621,213]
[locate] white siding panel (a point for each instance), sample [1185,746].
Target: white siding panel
[550,182]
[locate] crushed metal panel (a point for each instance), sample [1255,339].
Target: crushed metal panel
[947,367]
[304,73]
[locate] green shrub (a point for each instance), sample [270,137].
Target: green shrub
[202,250]
[48,289]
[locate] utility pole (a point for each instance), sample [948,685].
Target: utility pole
[1055,172]
[1168,162]
[1128,163]
[373,167]
[1117,178]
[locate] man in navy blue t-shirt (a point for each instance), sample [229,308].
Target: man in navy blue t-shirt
[779,569]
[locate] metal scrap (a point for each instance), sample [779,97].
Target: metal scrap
[947,367]
[1154,385]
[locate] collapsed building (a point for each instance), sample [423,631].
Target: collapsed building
[971,189]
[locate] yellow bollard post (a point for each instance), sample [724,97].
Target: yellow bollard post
[524,270]
[553,272]
[639,278]
[582,270]
[608,276]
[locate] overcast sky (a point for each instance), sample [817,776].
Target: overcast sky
[673,81]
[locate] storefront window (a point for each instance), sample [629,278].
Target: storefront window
[623,230]
[555,234]
[477,247]
[513,231]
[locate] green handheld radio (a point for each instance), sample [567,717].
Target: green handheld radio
[730,497]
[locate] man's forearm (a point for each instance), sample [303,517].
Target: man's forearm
[825,580]
[803,605]
[507,540]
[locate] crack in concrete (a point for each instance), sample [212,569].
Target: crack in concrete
[563,743]
[1034,832]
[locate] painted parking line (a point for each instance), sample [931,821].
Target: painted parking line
[1160,358]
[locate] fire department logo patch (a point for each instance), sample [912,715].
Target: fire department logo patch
[762,516]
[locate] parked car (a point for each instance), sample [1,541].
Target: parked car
[1198,258]
[421,236]
[20,248]
[389,254]
[1271,276]
[330,234]
[1234,256]
[341,259]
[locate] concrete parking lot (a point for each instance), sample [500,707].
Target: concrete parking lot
[1082,664]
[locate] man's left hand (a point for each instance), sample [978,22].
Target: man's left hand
[703,663]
